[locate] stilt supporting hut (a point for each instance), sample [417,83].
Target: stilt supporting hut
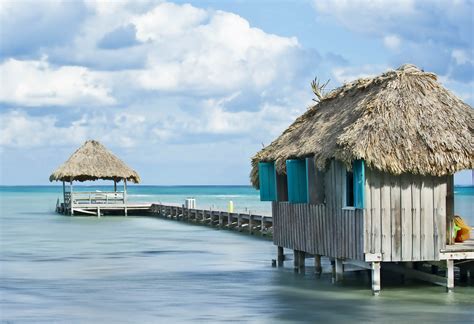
[92,161]
[365,176]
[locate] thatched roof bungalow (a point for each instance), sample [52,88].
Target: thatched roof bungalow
[366,174]
[93,161]
[402,121]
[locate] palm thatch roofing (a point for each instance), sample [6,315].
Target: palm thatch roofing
[402,121]
[94,161]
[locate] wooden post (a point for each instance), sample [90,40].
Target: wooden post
[221,221]
[376,278]
[64,193]
[450,208]
[449,275]
[125,196]
[302,261]
[250,223]
[71,198]
[296,260]
[317,264]
[281,256]
[98,211]
[115,185]
[339,270]
[333,271]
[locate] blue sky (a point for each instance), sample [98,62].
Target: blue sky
[187,91]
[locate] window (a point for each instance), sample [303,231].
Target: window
[349,189]
[354,185]
[267,179]
[296,171]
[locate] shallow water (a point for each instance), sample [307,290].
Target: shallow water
[137,269]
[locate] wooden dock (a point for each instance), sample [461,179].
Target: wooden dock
[115,203]
[241,222]
[99,203]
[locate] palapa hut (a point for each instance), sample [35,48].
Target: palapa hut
[366,175]
[92,161]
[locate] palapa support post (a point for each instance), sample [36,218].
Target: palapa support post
[317,264]
[299,261]
[375,278]
[64,197]
[333,270]
[115,184]
[125,196]
[339,270]
[71,200]
[302,261]
[280,256]
[449,275]
[296,260]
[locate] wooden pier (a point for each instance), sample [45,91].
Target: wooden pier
[99,203]
[241,222]
[115,203]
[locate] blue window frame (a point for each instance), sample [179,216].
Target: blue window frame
[267,179]
[296,171]
[358,169]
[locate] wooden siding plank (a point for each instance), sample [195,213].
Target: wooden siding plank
[407,228]
[439,217]
[416,217]
[367,225]
[427,235]
[396,217]
[385,210]
[376,219]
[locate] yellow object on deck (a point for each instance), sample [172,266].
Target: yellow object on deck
[464,231]
[230,208]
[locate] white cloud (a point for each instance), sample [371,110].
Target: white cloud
[20,130]
[191,49]
[37,83]
[392,42]
[167,20]
[460,56]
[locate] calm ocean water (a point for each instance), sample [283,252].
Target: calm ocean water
[137,269]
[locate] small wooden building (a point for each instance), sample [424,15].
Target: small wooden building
[366,176]
[92,161]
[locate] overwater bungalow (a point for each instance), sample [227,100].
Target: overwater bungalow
[91,162]
[365,176]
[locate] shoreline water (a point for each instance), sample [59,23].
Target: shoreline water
[141,269]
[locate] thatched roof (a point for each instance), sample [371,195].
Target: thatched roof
[93,161]
[402,121]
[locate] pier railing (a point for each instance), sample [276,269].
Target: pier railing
[251,223]
[94,197]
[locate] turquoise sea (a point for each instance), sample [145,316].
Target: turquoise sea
[60,269]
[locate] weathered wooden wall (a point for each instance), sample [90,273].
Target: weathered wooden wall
[326,229]
[312,229]
[405,216]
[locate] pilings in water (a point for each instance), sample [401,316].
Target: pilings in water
[247,223]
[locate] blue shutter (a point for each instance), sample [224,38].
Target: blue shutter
[267,178]
[359,183]
[296,171]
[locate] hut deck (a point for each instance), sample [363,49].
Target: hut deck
[464,250]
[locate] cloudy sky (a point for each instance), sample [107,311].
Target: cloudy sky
[187,91]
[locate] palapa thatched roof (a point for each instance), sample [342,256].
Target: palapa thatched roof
[402,121]
[93,161]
